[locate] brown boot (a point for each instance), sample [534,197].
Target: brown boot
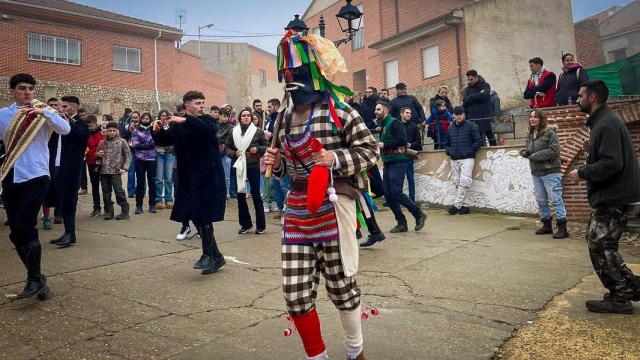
[359,357]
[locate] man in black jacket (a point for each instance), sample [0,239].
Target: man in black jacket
[73,147]
[613,185]
[414,143]
[461,146]
[476,100]
[402,100]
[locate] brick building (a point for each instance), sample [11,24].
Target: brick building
[249,72]
[110,61]
[430,43]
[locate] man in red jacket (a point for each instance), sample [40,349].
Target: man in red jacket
[541,88]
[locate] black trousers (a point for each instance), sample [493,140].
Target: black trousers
[376,182]
[488,135]
[83,179]
[393,180]
[113,183]
[253,175]
[94,178]
[372,224]
[146,170]
[22,203]
[603,234]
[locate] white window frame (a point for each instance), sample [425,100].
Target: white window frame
[126,68]
[263,77]
[391,79]
[358,39]
[430,62]
[34,41]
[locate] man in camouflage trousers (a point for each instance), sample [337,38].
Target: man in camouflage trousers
[613,188]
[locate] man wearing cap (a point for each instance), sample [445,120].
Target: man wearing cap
[402,100]
[461,146]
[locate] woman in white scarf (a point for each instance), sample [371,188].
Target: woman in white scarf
[246,145]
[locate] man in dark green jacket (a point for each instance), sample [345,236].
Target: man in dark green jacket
[393,143]
[613,185]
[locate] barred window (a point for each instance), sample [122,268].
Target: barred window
[126,59]
[263,78]
[54,49]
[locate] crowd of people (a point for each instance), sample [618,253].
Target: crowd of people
[323,154]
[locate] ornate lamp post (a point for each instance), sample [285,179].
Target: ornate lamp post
[349,18]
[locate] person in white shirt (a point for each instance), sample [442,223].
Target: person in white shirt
[25,181]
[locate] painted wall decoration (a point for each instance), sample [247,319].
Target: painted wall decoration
[501,180]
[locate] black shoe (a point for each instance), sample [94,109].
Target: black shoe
[95,213]
[259,231]
[57,220]
[233,196]
[464,211]
[214,266]
[244,230]
[35,287]
[421,222]
[200,263]
[610,305]
[131,196]
[358,234]
[108,216]
[453,210]
[562,229]
[399,229]
[372,239]
[122,216]
[55,241]
[138,210]
[67,240]
[152,209]
[545,228]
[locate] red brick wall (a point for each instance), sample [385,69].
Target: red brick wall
[174,69]
[588,43]
[264,61]
[572,133]
[188,74]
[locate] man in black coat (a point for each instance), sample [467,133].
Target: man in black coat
[402,100]
[613,186]
[368,108]
[201,192]
[68,178]
[476,100]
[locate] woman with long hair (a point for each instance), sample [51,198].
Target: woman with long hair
[543,151]
[144,151]
[166,157]
[246,144]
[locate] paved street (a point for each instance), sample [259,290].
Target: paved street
[127,290]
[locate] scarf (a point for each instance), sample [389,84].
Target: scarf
[536,77]
[242,143]
[20,133]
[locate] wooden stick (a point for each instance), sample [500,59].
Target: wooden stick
[275,135]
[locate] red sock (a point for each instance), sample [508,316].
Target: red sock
[308,326]
[45,211]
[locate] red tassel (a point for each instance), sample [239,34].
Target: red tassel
[334,114]
[317,187]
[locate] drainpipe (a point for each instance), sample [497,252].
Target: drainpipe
[454,21]
[155,67]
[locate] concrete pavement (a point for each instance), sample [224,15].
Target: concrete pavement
[127,290]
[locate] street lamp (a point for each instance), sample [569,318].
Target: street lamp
[349,14]
[297,25]
[200,28]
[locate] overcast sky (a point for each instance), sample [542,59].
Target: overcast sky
[252,21]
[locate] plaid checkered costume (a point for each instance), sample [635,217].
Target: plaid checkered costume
[356,150]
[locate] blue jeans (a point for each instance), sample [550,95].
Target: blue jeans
[164,178]
[131,176]
[411,181]
[226,165]
[549,187]
[279,188]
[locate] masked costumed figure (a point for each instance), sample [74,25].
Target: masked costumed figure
[325,147]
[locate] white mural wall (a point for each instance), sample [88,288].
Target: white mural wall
[501,181]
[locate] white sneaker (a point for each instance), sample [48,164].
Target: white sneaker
[273,207]
[184,233]
[266,208]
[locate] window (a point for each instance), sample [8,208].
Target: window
[358,39]
[391,73]
[619,54]
[263,78]
[430,62]
[54,49]
[126,59]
